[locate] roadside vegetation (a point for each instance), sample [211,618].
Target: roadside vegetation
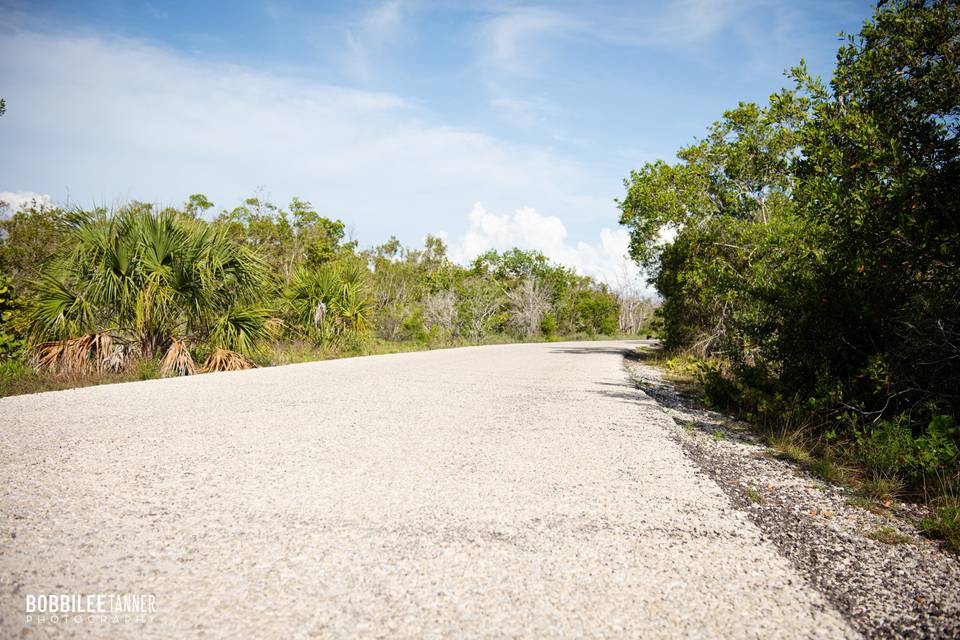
[807,252]
[97,296]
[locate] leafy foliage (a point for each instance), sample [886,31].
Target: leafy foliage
[146,278]
[808,250]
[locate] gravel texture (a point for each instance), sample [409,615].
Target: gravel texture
[908,589]
[517,490]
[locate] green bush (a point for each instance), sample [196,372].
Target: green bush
[15,370]
[886,449]
[11,344]
[548,326]
[147,369]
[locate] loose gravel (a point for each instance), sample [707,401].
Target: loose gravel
[908,589]
[517,490]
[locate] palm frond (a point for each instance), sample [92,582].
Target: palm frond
[86,354]
[226,360]
[177,361]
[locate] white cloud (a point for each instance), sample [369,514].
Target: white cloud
[517,39]
[606,259]
[375,30]
[16,199]
[103,119]
[512,39]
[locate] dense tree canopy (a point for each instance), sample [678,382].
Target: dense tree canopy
[809,249]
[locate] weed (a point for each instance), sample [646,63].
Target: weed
[789,447]
[867,504]
[753,495]
[147,370]
[881,488]
[944,521]
[889,535]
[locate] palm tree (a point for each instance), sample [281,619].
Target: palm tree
[150,281]
[332,301]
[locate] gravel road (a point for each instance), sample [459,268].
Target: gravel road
[517,490]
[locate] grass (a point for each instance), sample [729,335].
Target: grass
[944,521]
[867,504]
[17,378]
[889,535]
[789,446]
[753,495]
[29,381]
[881,488]
[678,370]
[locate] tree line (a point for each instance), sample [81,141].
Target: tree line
[93,291]
[807,252]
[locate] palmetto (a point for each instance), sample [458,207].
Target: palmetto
[149,280]
[332,300]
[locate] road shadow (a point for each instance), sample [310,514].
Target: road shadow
[626,352]
[628,394]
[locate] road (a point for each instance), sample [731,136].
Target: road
[516,490]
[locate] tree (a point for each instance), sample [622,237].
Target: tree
[10,342]
[286,240]
[529,303]
[811,246]
[149,281]
[440,311]
[595,311]
[480,303]
[727,193]
[28,238]
[880,168]
[196,205]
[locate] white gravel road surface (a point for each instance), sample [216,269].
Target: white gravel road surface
[518,490]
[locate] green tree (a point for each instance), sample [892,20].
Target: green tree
[812,245]
[286,239]
[704,226]
[880,170]
[11,343]
[147,278]
[28,238]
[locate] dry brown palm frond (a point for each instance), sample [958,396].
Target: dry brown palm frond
[226,360]
[46,356]
[177,361]
[86,354]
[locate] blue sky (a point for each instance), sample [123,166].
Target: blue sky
[494,123]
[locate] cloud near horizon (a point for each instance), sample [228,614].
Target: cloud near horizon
[15,200]
[605,260]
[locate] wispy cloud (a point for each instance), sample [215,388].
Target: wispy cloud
[514,40]
[518,39]
[373,32]
[108,118]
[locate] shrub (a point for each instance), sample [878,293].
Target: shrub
[548,326]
